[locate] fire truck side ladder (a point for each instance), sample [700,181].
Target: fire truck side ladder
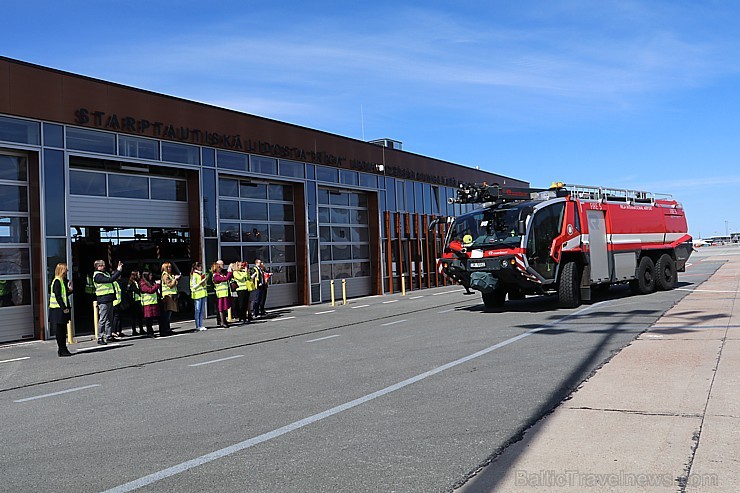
[605,194]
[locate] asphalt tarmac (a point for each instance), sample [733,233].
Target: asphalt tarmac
[387,393]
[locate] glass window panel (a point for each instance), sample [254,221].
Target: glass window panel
[324,215]
[362,200]
[281,212]
[390,188]
[13,168]
[435,200]
[367,180]
[354,199]
[254,232]
[228,187]
[325,234]
[325,251]
[340,216]
[419,197]
[348,177]
[342,271]
[169,189]
[264,165]
[209,202]
[410,197]
[340,233]
[14,261]
[310,172]
[361,269]
[341,252]
[87,183]
[311,210]
[228,209]
[323,196]
[132,187]
[249,190]
[180,153]
[283,274]
[400,192]
[56,252]
[338,198]
[254,211]
[230,254]
[209,157]
[233,160]
[54,193]
[325,272]
[136,147]
[13,229]
[282,254]
[13,198]
[281,233]
[327,174]
[358,216]
[290,168]
[91,140]
[15,130]
[361,252]
[252,253]
[280,192]
[230,232]
[15,292]
[360,235]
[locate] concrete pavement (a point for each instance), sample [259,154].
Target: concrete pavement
[662,416]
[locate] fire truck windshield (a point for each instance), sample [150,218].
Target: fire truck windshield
[490,228]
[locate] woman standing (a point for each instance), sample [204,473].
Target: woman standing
[198,292]
[244,287]
[135,310]
[59,307]
[149,300]
[223,293]
[169,298]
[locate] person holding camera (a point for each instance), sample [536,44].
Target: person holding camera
[106,295]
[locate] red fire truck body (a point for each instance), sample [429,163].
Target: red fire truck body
[567,240]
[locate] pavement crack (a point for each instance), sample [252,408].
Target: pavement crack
[636,412]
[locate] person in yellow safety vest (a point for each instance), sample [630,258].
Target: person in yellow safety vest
[118,308]
[135,312]
[149,300]
[168,283]
[198,292]
[59,313]
[105,293]
[223,293]
[244,288]
[89,285]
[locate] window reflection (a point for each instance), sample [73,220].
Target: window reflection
[128,186]
[13,168]
[15,292]
[13,229]
[13,198]
[14,261]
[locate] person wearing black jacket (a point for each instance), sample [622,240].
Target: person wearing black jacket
[59,307]
[106,294]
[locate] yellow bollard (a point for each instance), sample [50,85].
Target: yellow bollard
[403,285]
[331,284]
[96,319]
[344,291]
[228,316]
[70,339]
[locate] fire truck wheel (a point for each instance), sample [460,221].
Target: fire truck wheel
[645,282]
[665,271]
[495,299]
[569,290]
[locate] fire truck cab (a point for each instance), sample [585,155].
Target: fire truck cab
[567,239]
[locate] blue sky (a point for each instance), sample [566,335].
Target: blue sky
[636,94]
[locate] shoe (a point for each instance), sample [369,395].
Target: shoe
[134,333]
[201,329]
[102,342]
[64,354]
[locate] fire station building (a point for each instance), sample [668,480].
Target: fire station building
[95,170]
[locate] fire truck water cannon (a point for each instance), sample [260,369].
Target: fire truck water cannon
[567,240]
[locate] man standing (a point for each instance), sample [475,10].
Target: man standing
[260,277]
[106,295]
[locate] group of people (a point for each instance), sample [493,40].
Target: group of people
[144,299]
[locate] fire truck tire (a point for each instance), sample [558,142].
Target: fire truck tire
[569,290]
[665,271]
[645,282]
[496,299]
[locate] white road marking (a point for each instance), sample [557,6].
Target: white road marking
[391,301]
[393,323]
[327,311]
[280,319]
[705,290]
[448,311]
[217,360]
[323,338]
[98,347]
[57,393]
[415,297]
[160,338]
[296,425]
[15,359]
[359,306]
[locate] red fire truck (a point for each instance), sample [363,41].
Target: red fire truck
[568,239]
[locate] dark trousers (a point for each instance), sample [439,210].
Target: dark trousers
[243,305]
[61,334]
[137,316]
[149,325]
